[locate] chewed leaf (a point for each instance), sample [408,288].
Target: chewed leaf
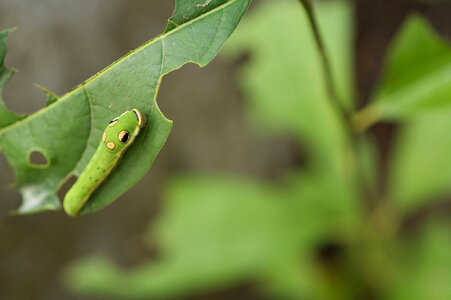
[68,131]
[6,117]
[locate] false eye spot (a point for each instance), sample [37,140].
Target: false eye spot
[113,122]
[123,136]
[110,145]
[104,137]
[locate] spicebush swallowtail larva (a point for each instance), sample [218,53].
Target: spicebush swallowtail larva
[117,137]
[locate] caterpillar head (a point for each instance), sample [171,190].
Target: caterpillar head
[121,131]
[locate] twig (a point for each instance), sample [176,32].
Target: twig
[329,81]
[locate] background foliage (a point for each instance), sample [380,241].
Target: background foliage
[214,231]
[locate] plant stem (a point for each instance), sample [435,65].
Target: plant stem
[327,69]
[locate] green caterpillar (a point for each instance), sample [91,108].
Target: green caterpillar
[117,137]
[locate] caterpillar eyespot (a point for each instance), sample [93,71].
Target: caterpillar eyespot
[123,136]
[119,134]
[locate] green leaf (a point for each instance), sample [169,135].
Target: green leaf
[416,77]
[68,131]
[421,165]
[6,117]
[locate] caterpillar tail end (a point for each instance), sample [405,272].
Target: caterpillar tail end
[71,207]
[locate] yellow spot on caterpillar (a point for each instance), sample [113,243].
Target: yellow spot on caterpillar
[110,145]
[104,137]
[112,123]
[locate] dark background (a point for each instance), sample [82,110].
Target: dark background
[60,43]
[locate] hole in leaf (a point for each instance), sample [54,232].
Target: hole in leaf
[37,159]
[65,186]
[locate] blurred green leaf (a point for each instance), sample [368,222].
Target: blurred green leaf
[216,231]
[425,271]
[6,117]
[285,86]
[416,77]
[283,80]
[68,131]
[416,87]
[421,165]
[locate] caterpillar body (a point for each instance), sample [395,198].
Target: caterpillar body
[117,137]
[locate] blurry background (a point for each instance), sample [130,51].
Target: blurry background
[58,44]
